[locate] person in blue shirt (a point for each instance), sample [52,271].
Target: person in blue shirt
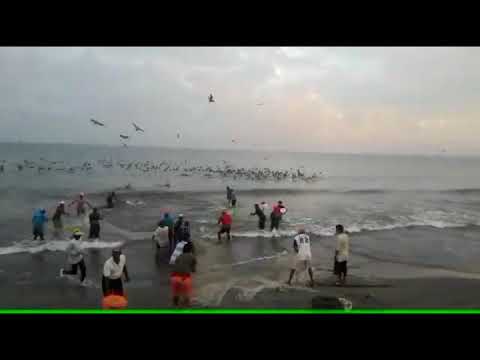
[38,220]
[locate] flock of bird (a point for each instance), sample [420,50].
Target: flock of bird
[224,171]
[138,128]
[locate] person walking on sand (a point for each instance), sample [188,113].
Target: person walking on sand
[95,218]
[57,220]
[302,256]
[341,254]
[181,277]
[261,216]
[75,257]
[226,224]
[39,219]
[113,269]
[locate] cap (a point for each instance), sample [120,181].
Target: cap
[180,215]
[62,202]
[82,194]
[77,232]
[116,250]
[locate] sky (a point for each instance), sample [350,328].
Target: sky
[318,99]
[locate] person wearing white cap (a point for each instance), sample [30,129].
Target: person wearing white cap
[114,268]
[75,258]
[57,220]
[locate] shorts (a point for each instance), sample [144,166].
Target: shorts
[112,286]
[225,229]
[340,268]
[300,265]
[234,203]
[181,285]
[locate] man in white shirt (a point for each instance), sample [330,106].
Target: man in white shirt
[114,268]
[302,257]
[341,254]
[75,254]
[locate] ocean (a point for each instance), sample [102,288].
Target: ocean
[422,211]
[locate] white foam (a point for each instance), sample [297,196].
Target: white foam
[32,247]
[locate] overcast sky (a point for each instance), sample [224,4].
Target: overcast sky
[385,100]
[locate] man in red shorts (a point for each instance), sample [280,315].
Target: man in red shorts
[181,277]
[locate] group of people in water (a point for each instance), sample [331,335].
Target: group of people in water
[181,250]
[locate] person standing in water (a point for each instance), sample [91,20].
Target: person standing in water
[111,196]
[226,223]
[114,268]
[261,216]
[81,203]
[179,248]
[341,254]
[181,277]
[276,216]
[178,228]
[75,254]
[229,195]
[57,220]
[302,257]
[95,218]
[39,219]
[168,222]
[233,198]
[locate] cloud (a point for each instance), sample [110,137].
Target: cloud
[315,99]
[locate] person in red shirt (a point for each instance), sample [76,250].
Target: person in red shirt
[226,221]
[276,216]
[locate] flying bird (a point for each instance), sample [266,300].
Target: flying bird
[210,98]
[137,128]
[125,137]
[95,122]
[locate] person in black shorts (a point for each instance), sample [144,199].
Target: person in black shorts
[341,254]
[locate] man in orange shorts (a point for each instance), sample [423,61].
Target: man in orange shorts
[181,276]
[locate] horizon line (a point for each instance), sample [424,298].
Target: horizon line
[277,150]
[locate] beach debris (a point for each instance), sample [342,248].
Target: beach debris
[125,137]
[327,302]
[96,122]
[210,98]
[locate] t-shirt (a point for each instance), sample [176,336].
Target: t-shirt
[226,219]
[303,244]
[74,251]
[94,218]
[342,247]
[112,270]
[185,264]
